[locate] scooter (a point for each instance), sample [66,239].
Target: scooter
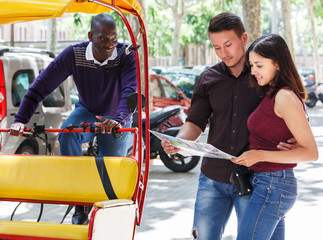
[175,162]
[314,94]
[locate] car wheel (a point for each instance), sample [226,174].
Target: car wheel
[26,149]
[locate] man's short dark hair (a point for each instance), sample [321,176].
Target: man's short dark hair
[226,21]
[103,19]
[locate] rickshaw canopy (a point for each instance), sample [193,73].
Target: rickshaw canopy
[15,11]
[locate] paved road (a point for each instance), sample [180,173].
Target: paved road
[168,211]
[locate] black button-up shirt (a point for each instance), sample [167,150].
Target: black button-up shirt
[224,101]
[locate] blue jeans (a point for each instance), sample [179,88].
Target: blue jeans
[70,143]
[213,207]
[274,194]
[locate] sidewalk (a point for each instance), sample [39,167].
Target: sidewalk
[168,211]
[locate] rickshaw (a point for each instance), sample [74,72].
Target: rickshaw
[114,186]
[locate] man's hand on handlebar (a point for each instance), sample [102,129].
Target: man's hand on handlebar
[17,129]
[169,148]
[107,124]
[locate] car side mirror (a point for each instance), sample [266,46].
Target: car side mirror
[180,96]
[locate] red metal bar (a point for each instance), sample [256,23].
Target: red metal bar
[91,223]
[75,130]
[146,75]
[134,146]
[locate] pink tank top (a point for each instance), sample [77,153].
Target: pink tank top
[266,131]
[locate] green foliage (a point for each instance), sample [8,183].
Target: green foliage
[195,24]
[80,23]
[159,31]
[160,24]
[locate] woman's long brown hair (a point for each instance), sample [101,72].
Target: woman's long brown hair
[275,48]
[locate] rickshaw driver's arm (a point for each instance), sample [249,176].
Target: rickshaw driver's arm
[189,131]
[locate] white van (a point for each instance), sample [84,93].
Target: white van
[18,69]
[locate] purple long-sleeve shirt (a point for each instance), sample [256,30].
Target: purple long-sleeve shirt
[103,90]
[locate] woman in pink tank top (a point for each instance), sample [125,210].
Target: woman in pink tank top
[279,117]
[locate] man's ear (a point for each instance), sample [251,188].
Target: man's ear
[90,35]
[244,38]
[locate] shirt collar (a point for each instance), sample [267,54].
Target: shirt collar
[228,72]
[89,55]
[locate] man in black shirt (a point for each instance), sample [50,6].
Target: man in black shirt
[222,97]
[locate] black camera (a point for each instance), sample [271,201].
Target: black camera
[241,179]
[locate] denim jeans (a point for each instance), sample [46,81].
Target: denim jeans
[70,143]
[274,194]
[213,206]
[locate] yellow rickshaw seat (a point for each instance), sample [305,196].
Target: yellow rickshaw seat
[45,230]
[65,178]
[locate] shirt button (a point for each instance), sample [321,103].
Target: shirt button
[235,97]
[231,147]
[234,114]
[233,131]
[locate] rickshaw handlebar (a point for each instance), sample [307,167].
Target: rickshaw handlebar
[83,127]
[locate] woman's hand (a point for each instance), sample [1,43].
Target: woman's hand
[107,124]
[249,158]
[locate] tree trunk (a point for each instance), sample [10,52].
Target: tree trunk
[300,40]
[52,35]
[176,38]
[134,23]
[12,35]
[251,19]
[287,25]
[274,17]
[179,10]
[318,73]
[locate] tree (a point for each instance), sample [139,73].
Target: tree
[318,73]
[288,36]
[195,28]
[179,10]
[251,19]
[12,35]
[134,23]
[52,35]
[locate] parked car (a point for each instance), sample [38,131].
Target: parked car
[165,93]
[18,69]
[182,77]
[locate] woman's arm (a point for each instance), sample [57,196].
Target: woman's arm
[289,107]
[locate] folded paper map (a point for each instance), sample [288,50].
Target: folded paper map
[193,148]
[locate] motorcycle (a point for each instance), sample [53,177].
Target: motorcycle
[314,94]
[158,121]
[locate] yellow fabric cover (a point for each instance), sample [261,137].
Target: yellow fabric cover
[40,229]
[29,10]
[64,178]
